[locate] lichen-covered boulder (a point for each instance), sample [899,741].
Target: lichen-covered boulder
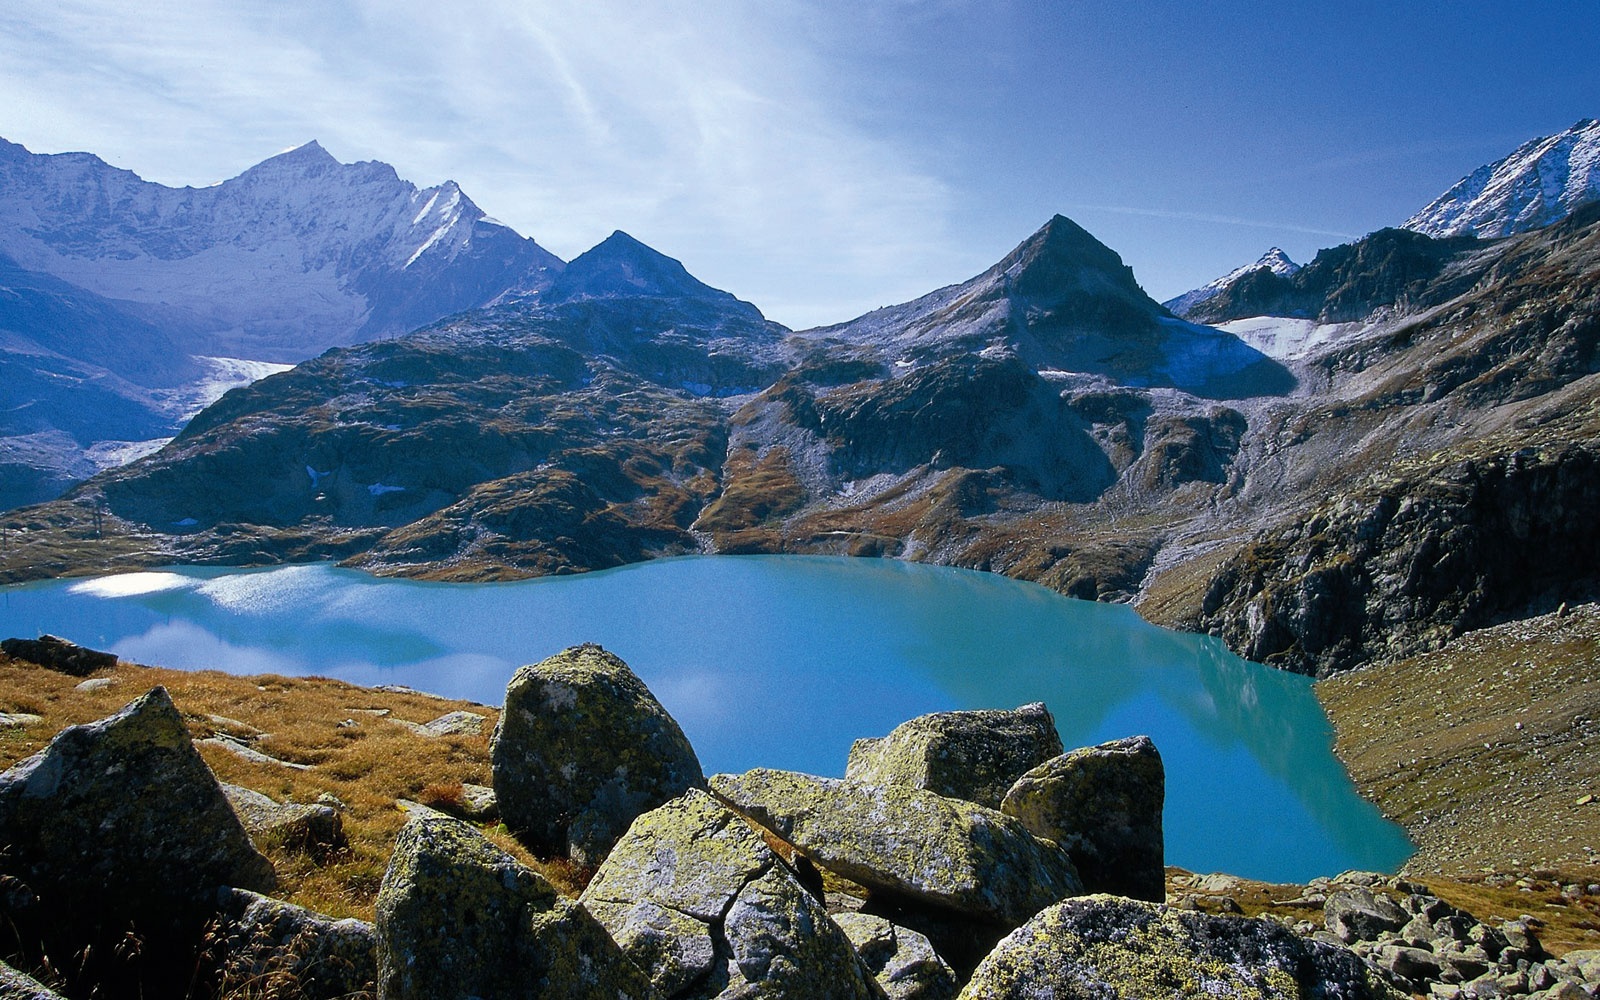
[1103,804]
[122,819]
[1100,947]
[973,755]
[947,852]
[458,917]
[694,895]
[271,948]
[903,961]
[315,829]
[581,748]
[118,828]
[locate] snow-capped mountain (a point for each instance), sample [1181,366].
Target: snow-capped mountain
[1540,183]
[1274,260]
[297,254]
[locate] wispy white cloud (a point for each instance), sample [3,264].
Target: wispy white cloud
[1220,220]
[701,128]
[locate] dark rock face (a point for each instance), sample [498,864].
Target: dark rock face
[903,961]
[268,945]
[120,822]
[55,653]
[458,917]
[1103,805]
[693,894]
[974,755]
[1404,568]
[1106,946]
[582,748]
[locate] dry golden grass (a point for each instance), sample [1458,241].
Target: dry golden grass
[355,753]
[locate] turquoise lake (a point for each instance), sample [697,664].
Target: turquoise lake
[782,661]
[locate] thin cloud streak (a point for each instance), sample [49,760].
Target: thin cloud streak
[1220,220]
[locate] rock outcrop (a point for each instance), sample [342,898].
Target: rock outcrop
[1103,805]
[272,948]
[693,894]
[972,755]
[582,748]
[55,653]
[942,852]
[120,824]
[315,829]
[459,917]
[1108,946]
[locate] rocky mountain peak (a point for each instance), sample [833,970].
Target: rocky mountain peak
[1541,182]
[1063,258]
[623,267]
[1275,260]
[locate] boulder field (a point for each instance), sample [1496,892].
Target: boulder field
[963,855]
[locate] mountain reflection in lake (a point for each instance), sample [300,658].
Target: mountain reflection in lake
[782,661]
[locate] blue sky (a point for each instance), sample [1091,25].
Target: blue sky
[824,158]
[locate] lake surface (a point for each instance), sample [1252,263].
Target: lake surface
[782,661]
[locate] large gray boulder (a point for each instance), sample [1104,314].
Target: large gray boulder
[694,895]
[118,826]
[1101,947]
[974,755]
[949,853]
[123,820]
[272,948]
[903,961]
[581,748]
[458,917]
[1103,804]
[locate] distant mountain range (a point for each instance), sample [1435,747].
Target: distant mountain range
[1543,181]
[1367,456]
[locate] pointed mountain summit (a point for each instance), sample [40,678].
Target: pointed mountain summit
[1274,261]
[1065,302]
[1542,182]
[622,267]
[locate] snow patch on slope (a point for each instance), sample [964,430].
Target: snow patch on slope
[1542,182]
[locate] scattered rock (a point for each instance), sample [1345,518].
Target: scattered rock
[15,720]
[239,748]
[693,894]
[1103,805]
[478,802]
[945,852]
[94,684]
[1108,946]
[120,823]
[1355,914]
[55,653]
[459,917]
[973,755]
[272,948]
[903,961]
[456,724]
[582,747]
[315,829]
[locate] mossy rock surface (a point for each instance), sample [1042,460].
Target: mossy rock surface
[972,755]
[458,917]
[695,895]
[1103,804]
[582,748]
[1112,948]
[945,852]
